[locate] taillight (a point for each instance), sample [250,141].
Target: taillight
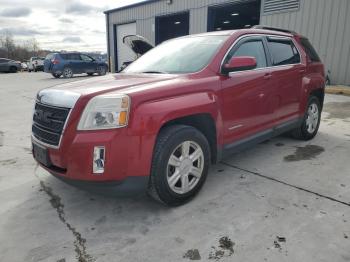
[55,61]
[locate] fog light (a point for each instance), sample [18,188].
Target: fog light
[99,160]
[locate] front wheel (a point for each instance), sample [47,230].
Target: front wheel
[311,121]
[56,75]
[101,70]
[179,166]
[67,72]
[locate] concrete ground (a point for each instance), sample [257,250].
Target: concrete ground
[283,200]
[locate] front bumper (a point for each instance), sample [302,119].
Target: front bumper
[73,160]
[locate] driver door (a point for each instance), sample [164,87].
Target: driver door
[88,64]
[247,93]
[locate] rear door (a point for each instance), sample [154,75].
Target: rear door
[287,75]
[75,62]
[246,94]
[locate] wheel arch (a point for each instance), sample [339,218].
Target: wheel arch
[204,123]
[319,93]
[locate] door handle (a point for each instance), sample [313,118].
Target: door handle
[301,71]
[267,76]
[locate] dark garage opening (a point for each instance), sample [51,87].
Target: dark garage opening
[234,16]
[171,26]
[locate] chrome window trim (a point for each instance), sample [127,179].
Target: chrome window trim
[262,68]
[37,141]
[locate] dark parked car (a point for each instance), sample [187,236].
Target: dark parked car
[68,64]
[9,66]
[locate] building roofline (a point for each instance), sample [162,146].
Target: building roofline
[129,6]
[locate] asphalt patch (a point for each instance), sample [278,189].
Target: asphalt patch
[337,110]
[305,153]
[192,254]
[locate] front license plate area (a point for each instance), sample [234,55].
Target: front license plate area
[41,155]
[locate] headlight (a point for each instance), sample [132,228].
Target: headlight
[105,112]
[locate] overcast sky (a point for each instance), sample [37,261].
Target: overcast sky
[59,24]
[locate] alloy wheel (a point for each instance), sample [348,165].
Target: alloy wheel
[185,167]
[312,118]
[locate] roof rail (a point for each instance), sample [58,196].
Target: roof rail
[274,29]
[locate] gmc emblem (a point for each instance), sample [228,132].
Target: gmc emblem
[43,116]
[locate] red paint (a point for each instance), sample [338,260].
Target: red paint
[256,99]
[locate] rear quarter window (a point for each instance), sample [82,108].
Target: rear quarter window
[283,51]
[310,50]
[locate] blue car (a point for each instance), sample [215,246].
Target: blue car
[68,64]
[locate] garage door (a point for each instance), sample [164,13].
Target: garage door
[124,53]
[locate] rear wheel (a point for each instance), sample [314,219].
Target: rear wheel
[311,121]
[67,72]
[179,166]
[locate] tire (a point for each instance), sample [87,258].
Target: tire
[101,70]
[13,69]
[171,181]
[56,75]
[311,121]
[90,74]
[67,72]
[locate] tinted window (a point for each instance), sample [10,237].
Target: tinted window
[283,52]
[310,50]
[3,60]
[70,56]
[253,48]
[86,58]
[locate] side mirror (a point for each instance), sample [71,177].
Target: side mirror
[240,63]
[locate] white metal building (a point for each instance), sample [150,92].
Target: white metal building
[325,22]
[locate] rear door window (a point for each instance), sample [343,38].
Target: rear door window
[283,51]
[70,56]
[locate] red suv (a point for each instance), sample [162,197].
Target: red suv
[183,105]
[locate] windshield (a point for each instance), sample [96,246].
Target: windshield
[182,55]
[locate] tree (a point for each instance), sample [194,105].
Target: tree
[8,44]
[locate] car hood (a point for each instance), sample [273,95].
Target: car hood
[138,44]
[66,95]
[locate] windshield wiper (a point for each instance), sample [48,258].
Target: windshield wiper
[154,72]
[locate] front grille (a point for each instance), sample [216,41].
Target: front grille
[48,123]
